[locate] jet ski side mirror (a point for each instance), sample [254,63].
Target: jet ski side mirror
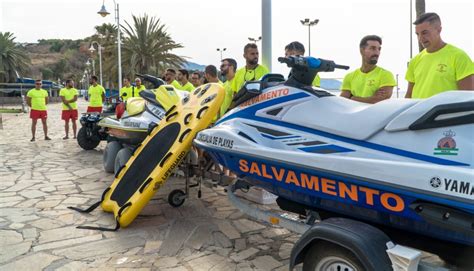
[248,91]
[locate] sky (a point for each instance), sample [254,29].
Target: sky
[205,25]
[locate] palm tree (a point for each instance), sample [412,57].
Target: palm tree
[147,47]
[13,58]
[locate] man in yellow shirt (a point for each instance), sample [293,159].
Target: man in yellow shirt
[170,76]
[126,91]
[96,96]
[210,73]
[183,76]
[439,67]
[69,97]
[369,83]
[228,69]
[37,99]
[196,79]
[296,48]
[252,70]
[138,87]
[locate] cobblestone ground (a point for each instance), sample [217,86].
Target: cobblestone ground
[39,180]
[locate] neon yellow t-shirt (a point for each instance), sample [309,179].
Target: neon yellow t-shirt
[95,95]
[176,84]
[127,91]
[38,101]
[316,81]
[229,95]
[136,91]
[364,85]
[188,87]
[68,94]
[433,73]
[243,75]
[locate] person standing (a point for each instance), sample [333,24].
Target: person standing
[183,76]
[252,70]
[96,96]
[170,78]
[440,66]
[126,91]
[196,79]
[69,97]
[210,73]
[369,83]
[37,99]
[138,87]
[296,48]
[228,69]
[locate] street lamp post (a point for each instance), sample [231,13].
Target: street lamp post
[221,50]
[255,40]
[88,63]
[92,49]
[309,23]
[103,12]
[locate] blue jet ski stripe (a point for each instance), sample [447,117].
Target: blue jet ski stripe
[249,113]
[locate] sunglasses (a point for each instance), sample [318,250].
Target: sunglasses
[38,84]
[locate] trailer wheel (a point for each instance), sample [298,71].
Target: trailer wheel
[325,256]
[176,198]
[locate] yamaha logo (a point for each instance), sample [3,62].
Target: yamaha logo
[435,182]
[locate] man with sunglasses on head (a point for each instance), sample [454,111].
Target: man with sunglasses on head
[37,99]
[252,70]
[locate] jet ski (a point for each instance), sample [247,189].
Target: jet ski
[134,120]
[131,125]
[404,164]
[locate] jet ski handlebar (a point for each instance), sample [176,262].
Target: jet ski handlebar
[317,64]
[155,81]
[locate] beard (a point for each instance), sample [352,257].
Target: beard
[253,61]
[373,61]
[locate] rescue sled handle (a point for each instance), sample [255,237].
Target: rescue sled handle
[311,63]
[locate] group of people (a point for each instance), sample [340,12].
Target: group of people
[439,67]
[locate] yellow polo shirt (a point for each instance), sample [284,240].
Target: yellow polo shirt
[176,84]
[136,91]
[243,75]
[187,87]
[95,95]
[38,101]
[433,73]
[364,85]
[68,94]
[127,91]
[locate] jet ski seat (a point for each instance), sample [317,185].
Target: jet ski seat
[149,96]
[343,117]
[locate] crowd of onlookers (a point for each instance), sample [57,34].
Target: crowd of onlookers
[439,67]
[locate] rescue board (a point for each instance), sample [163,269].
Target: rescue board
[158,155]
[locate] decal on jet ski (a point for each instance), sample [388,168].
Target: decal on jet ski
[326,149]
[447,144]
[216,141]
[266,96]
[131,124]
[458,187]
[327,186]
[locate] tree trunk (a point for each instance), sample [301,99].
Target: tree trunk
[420,9]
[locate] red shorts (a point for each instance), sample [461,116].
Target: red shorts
[91,109]
[69,114]
[38,114]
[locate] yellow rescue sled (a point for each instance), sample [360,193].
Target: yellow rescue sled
[158,155]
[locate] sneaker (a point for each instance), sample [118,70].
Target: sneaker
[32,140]
[47,138]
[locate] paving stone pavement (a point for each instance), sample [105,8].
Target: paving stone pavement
[39,180]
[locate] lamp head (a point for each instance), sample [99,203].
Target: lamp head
[103,12]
